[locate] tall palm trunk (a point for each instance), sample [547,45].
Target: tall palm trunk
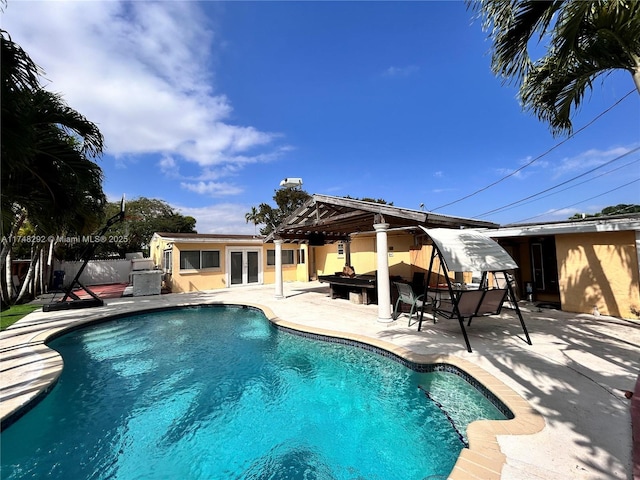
[28,280]
[7,284]
[6,280]
[7,242]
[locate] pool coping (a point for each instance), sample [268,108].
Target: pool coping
[482,460]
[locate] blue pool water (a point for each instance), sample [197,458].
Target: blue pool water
[220,393]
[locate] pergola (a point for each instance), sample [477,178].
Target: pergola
[326,219]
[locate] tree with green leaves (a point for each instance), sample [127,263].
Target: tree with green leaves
[49,176]
[253,217]
[143,217]
[288,200]
[620,209]
[582,40]
[371,200]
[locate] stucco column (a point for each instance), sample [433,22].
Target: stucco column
[384,287]
[278,244]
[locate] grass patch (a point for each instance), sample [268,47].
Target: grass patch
[15,313]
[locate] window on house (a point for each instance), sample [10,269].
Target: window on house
[189,259]
[340,250]
[287,257]
[167,261]
[210,259]
[196,259]
[301,256]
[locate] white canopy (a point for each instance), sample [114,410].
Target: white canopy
[467,251]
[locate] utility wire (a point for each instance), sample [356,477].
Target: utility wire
[538,157]
[581,201]
[559,184]
[564,189]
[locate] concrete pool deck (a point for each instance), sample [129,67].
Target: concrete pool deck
[569,383]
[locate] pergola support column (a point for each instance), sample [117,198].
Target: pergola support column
[278,268]
[383,283]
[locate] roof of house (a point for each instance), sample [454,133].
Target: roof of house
[208,237]
[615,223]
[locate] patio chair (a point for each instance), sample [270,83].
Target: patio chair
[417,284]
[491,303]
[406,296]
[472,303]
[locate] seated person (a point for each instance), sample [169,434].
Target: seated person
[348,271]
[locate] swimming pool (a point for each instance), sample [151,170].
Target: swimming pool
[218,392]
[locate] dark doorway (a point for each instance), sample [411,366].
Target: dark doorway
[544,266]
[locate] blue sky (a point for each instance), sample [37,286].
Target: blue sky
[209,105]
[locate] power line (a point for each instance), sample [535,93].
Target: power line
[581,201]
[559,184]
[538,157]
[564,189]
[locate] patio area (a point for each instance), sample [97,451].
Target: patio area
[573,375]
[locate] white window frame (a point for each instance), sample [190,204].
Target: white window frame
[167,260]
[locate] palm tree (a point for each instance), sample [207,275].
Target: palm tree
[254,217]
[48,175]
[586,39]
[287,199]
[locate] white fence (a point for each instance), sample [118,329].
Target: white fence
[97,272]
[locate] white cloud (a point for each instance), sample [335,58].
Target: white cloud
[444,190]
[401,71]
[520,172]
[562,213]
[512,173]
[141,72]
[212,189]
[587,160]
[220,218]
[208,174]
[168,166]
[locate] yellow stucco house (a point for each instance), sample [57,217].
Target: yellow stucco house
[194,262]
[583,266]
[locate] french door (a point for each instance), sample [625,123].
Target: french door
[243,266]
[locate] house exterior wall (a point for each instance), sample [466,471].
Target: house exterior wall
[595,269]
[156,249]
[302,268]
[289,272]
[599,270]
[421,257]
[196,280]
[179,281]
[323,267]
[363,255]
